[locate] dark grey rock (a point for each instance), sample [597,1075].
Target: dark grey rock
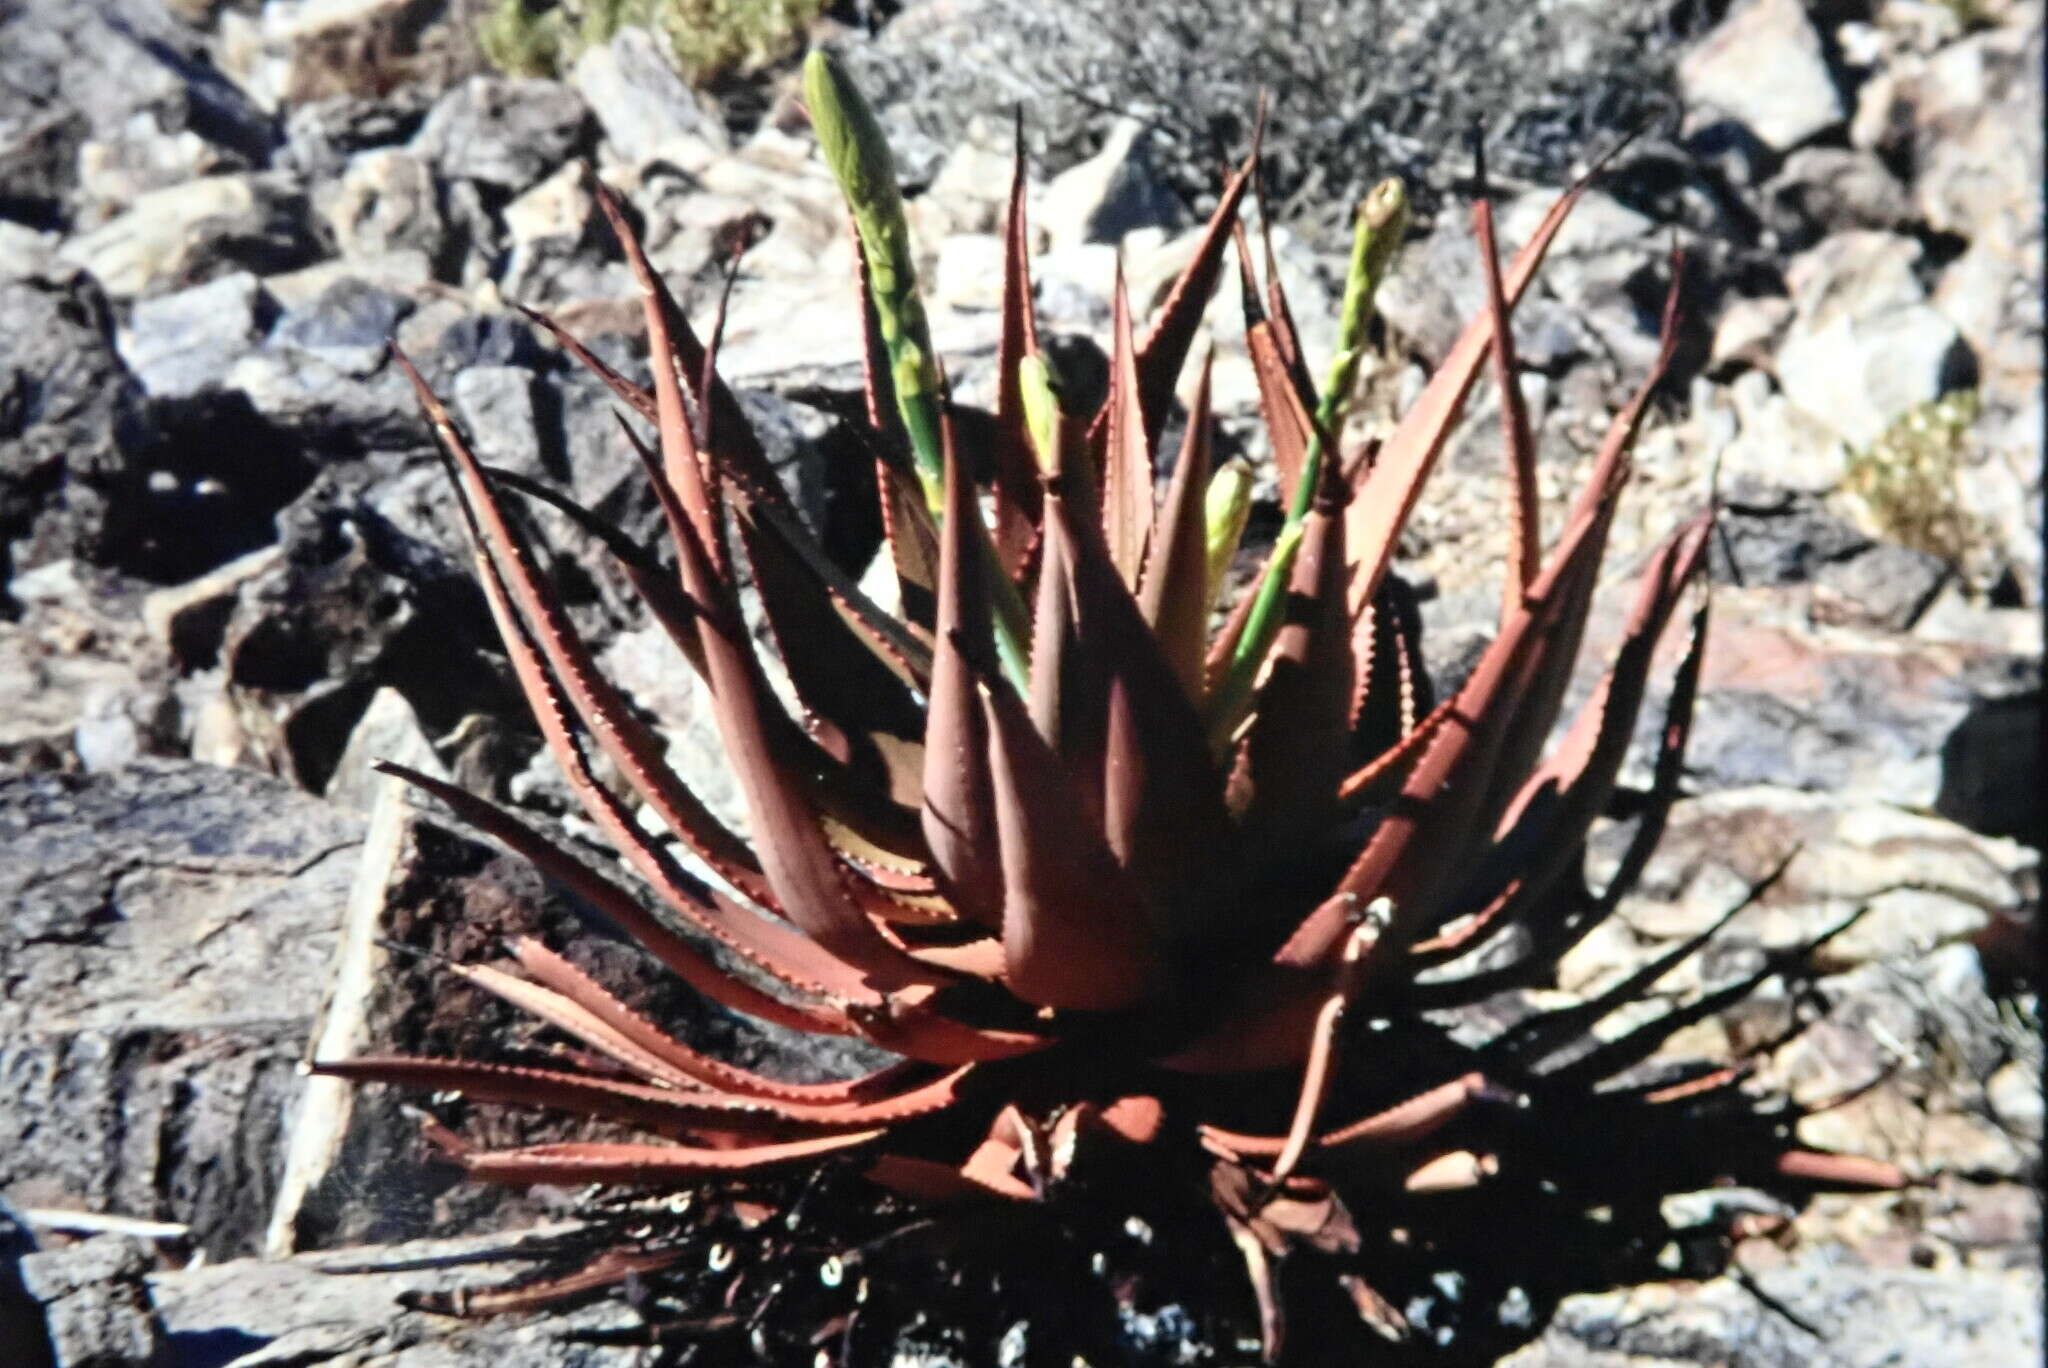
[505,132]
[348,319]
[74,431]
[355,605]
[321,135]
[1785,541]
[165,927]
[1822,190]
[1884,586]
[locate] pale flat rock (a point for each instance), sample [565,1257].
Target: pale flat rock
[1763,66]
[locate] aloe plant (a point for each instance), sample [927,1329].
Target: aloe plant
[1133,893]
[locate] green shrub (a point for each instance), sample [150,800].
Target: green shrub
[1906,479]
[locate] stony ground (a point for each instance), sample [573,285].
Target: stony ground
[230,578]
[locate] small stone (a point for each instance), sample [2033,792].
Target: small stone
[351,325]
[644,106]
[495,405]
[1748,331]
[385,201]
[503,131]
[1885,586]
[183,234]
[1112,193]
[178,344]
[388,730]
[1763,65]
[1864,346]
[1828,189]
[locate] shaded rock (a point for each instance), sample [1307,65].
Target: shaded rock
[384,201]
[189,618]
[191,232]
[39,168]
[123,75]
[1864,346]
[1822,190]
[356,605]
[1846,710]
[388,730]
[1885,586]
[1113,193]
[1782,541]
[74,431]
[1763,66]
[179,344]
[147,1065]
[1928,883]
[505,132]
[644,107]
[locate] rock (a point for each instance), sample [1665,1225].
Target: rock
[85,688]
[388,730]
[643,106]
[148,1064]
[1904,1317]
[1782,541]
[1748,331]
[1845,710]
[179,344]
[1864,346]
[1112,193]
[1821,190]
[1952,118]
[970,191]
[495,405]
[1928,883]
[1885,586]
[355,605]
[384,201]
[321,137]
[349,1304]
[969,274]
[1763,66]
[297,50]
[506,132]
[76,432]
[188,618]
[1777,444]
[551,230]
[114,172]
[94,1303]
[187,233]
[1993,302]
[351,323]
